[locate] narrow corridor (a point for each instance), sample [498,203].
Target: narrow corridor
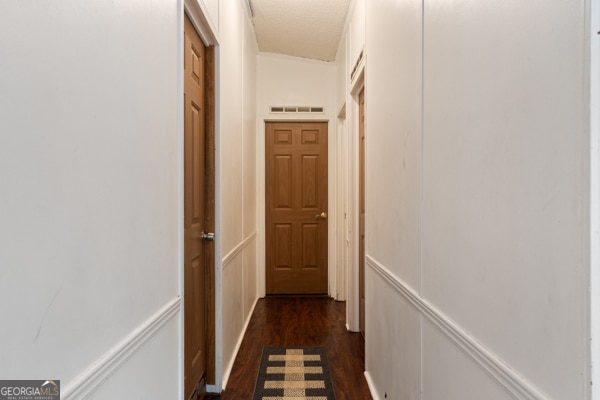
[301,321]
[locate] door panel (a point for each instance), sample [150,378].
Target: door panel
[309,182]
[310,241]
[296,207]
[195,207]
[283,176]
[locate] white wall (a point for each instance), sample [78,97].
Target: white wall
[293,81]
[91,172]
[211,12]
[595,193]
[90,195]
[342,170]
[249,169]
[356,29]
[393,188]
[518,140]
[342,73]
[477,199]
[237,177]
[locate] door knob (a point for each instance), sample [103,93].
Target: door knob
[207,237]
[323,215]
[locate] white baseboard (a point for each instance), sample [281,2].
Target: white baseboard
[374,394]
[496,368]
[97,373]
[227,371]
[212,389]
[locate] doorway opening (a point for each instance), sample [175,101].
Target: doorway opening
[199,367]
[296,201]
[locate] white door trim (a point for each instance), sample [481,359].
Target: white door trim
[352,304]
[333,211]
[595,197]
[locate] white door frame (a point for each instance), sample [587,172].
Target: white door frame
[595,196]
[342,206]
[332,205]
[353,201]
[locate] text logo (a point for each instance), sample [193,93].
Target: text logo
[30,390]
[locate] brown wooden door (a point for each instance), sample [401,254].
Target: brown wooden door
[296,207]
[198,212]
[361,208]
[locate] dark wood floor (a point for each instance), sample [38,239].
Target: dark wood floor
[301,321]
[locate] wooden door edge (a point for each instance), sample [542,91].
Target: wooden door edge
[209,69]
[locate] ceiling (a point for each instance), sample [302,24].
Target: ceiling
[301,28]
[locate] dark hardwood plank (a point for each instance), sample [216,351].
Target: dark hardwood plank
[301,321]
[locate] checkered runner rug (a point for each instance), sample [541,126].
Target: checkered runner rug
[294,373]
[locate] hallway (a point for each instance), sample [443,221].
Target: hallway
[301,321]
[481,196]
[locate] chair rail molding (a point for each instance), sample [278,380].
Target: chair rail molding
[99,371]
[496,368]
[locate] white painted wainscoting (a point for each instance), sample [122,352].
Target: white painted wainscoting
[418,322]
[153,343]
[239,296]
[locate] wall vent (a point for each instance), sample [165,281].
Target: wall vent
[296,109]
